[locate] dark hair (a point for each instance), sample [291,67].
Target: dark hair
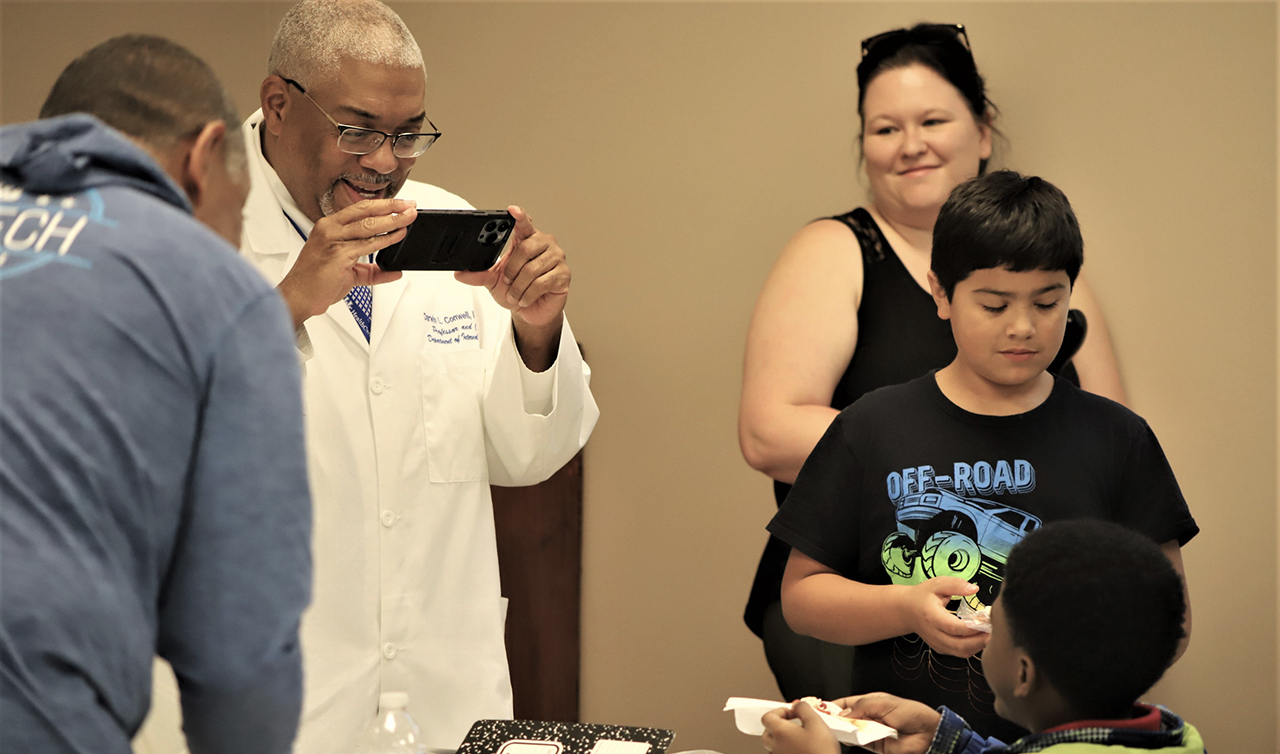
[935,48]
[1008,220]
[146,87]
[1098,608]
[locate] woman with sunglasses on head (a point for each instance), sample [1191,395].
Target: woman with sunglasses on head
[847,309]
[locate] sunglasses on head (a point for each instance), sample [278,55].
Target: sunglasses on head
[954,31]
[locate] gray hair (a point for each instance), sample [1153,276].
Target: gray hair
[315,35]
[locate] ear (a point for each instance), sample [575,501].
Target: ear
[201,159]
[939,297]
[1026,679]
[985,129]
[275,103]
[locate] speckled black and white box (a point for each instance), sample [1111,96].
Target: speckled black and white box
[489,736]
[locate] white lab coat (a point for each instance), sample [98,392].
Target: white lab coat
[405,433]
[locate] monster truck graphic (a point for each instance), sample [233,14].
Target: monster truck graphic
[942,534]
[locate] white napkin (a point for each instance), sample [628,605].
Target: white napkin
[748,712]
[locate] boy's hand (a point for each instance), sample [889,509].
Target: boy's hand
[916,723]
[799,730]
[939,627]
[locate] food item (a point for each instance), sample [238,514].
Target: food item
[979,620]
[826,708]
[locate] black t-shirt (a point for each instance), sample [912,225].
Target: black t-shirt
[905,485]
[900,338]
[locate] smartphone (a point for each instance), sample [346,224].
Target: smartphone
[451,239]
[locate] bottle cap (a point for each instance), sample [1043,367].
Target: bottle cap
[390,700]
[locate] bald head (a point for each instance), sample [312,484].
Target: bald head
[315,35]
[147,87]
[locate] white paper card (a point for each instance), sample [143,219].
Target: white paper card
[748,712]
[520,746]
[604,746]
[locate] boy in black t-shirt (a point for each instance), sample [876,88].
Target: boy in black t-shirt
[917,492]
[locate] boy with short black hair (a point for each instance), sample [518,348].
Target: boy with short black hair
[917,492]
[1088,619]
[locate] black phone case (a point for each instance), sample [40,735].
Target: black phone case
[463,239]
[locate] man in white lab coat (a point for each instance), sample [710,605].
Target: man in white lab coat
[405,431]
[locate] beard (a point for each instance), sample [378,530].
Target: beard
[390,188]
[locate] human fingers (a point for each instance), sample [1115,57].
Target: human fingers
[524,251]
[883,708]
[486,278]
[372,274]
[867,706]
[371,208]
[804,733]
[775,718]
[940,628]
[368,218]
[772,721]
[539,278]
[943,630]
[807,715]
[944,621]
[362,247]
[968,646]
[946,587]
[916,723]
[965,645]
[524,224]
[929,600]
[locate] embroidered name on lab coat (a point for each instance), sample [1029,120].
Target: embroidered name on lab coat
[452,332]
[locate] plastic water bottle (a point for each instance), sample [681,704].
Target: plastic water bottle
[393,732]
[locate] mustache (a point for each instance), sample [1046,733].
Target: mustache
[373,178]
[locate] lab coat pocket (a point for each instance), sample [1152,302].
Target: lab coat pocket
[452,394]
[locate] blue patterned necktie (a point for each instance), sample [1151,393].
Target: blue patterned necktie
[359,300]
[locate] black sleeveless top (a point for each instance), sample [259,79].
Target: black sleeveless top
[900,338]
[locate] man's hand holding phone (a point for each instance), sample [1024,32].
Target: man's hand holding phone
[531,280]
[329,265]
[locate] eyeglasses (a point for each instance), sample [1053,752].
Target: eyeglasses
[955,31]
[357,140]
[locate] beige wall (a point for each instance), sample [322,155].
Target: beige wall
[674,147]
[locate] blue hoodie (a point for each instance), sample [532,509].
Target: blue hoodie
[153,493]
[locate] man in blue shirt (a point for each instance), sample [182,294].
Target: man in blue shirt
[152,477]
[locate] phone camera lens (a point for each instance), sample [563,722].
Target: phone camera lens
[488,226]
[502,226]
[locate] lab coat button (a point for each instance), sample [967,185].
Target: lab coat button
[388,520]
[377,386]
[389,651]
